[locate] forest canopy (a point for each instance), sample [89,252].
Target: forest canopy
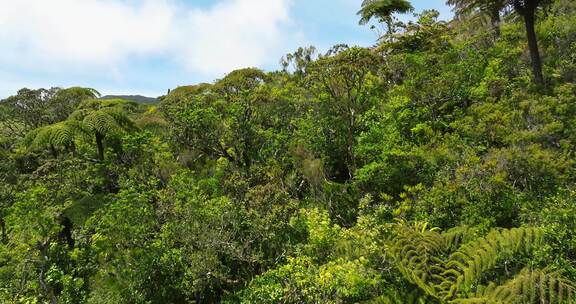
[436,166]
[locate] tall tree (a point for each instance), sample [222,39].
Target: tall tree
[343,81]
[37,108]
[527,9]
[65,101]
[30,107]
[103,119]
[490,8]
[383,10]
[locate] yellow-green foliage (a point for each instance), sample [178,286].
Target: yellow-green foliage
[302,281]
[152,119]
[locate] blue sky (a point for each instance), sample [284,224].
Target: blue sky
[148,46]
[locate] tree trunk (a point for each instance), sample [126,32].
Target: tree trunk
[495,21]
[100,146]
[66,233]
[529,14]
[3,234]
[389,27]
[53,151]
[47,290]
[72,148]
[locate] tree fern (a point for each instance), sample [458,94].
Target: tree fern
[102,119]
[479,9]
[466,266]
[528,286]
[102,123]
[449,266]
[418,251]
[59,135]
[382,9]
[415,253]
[470,7]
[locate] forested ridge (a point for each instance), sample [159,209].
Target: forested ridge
[437,166]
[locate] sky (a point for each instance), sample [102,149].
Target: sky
[149,46]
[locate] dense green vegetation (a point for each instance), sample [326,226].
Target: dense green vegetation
[436,167]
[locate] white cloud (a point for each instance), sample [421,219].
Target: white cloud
[233,34]
[83,32]
[102,34]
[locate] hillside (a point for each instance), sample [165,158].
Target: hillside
[136,98]
[437,166]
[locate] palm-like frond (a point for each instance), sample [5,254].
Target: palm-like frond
[466,266]
[382,9]
[450,266]
[473,8]
[529,286]
[93,118]
[466,7]
[57,135]
[105,117]
[418,253]
[102,123]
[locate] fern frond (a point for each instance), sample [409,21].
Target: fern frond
[428,260]
[60,134]
[106,117]
[529,286]
[476,257]
[382,9]
[120,118]
[455,237]
[102,123]
[80,114]
[416,251]
[396,297]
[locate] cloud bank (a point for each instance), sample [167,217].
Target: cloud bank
[77,35]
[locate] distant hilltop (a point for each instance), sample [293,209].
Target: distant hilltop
[135,98]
